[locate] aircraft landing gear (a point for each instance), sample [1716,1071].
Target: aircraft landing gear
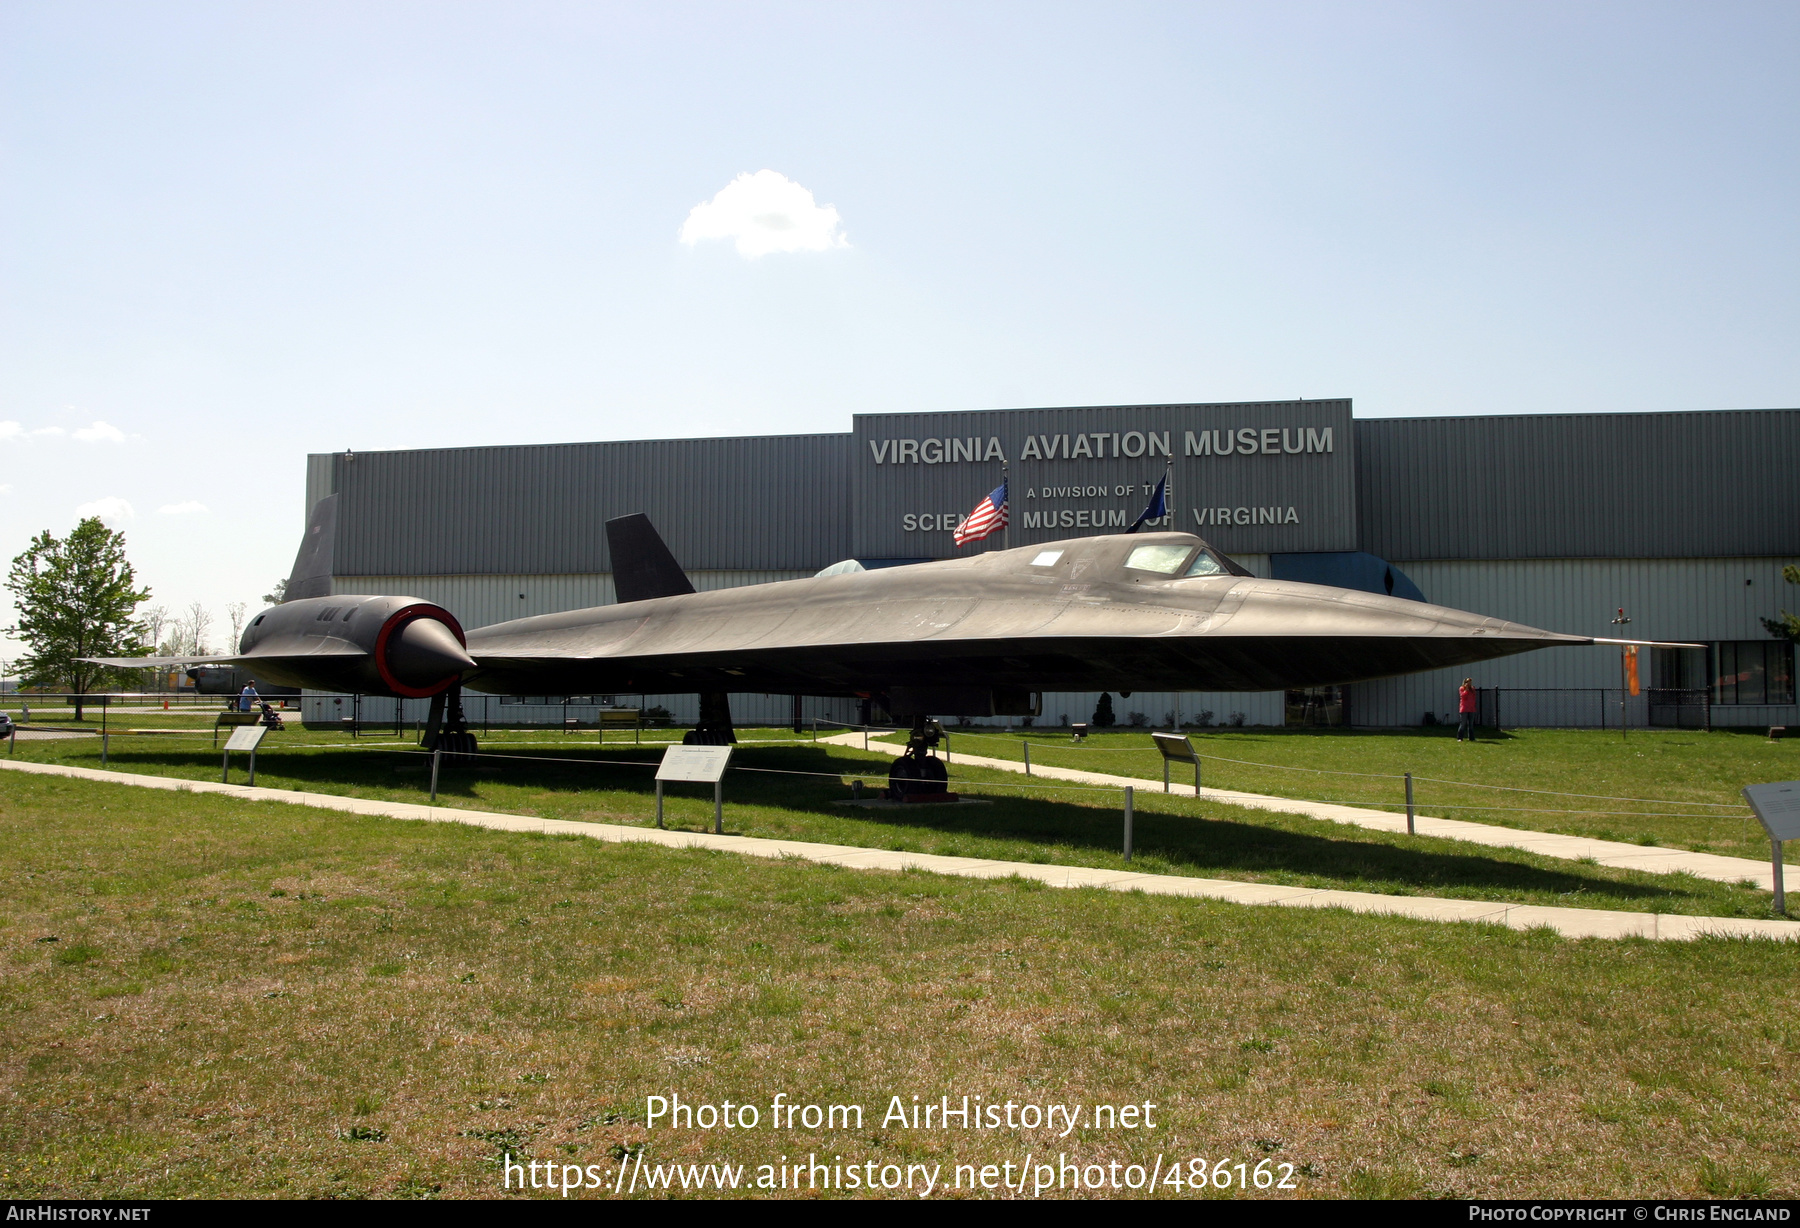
[714,727]
[918,772]
[446,728]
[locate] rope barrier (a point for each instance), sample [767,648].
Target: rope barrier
[1064,787]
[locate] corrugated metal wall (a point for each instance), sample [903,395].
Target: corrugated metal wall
[1690,485]
[753,503]
[1666,599]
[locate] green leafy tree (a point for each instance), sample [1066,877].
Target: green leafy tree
[1787,627]
[76,598]
[274,596]
[1103,712]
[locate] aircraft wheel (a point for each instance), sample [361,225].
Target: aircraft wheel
[903,778]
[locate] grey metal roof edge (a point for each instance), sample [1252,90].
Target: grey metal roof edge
[583,443]
[1028,409]
[1603,414]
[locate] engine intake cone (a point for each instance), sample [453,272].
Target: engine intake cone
[425,652]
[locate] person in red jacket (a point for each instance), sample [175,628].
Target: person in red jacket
[1466,704]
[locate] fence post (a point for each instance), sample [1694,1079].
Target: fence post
[1166,776]
[103,747]
[1027,746]
[436,757]
[719,806]
[1409,806]
[659,821]
[1128,800]
[1196,777]
[865,739]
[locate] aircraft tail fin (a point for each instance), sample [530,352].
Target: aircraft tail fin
[642,565]
[311,576]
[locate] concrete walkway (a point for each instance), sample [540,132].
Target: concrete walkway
[1650,859]
[1569,922]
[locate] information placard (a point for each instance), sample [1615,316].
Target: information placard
[698,764]
[1175,746]
[1778,806]
[245,737]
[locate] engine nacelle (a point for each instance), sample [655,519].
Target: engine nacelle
[370,645]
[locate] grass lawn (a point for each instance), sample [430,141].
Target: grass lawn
[1684,766]
[202,996]
[792,791]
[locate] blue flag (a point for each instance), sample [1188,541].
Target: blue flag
[1159,505]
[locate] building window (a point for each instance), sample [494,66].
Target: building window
[1753,672]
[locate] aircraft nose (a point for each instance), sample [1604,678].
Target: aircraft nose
[425,652]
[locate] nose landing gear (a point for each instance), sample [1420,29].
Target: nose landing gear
[919,775]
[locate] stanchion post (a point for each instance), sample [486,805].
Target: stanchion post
[253,767]
[1027,746]
[1410,830]
[225,769]
[1165,774]
[1780,888]
[719,807]
[659,821]
[436,758]
[1128,801]
[103,746]
[865,739]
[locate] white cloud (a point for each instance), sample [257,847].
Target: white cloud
[5,490]
[100,432]
[181,509]
[111,509]
[766,212]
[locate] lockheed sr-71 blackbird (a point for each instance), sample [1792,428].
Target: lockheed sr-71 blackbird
[974,636]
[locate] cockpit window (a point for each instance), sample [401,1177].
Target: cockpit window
[1206,565]
[845,568]
[1164,560]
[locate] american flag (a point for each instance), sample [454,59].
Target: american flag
[988,518]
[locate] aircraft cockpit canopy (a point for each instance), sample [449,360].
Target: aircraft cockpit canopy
[1180,560]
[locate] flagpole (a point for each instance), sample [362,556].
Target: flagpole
[1006,532]
[1169,492]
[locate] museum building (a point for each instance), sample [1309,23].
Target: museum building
[1683,521]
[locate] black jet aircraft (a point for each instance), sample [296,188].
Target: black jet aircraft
[976,636]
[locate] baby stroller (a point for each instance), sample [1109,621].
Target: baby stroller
[270,717]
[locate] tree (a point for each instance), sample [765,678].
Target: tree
[1103,712]
[1786,627]
[75,597]
[151,624]
[235,612]
[276,595]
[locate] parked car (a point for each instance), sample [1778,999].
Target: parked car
[6,725]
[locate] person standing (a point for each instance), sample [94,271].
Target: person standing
[1466,704]
[247,697]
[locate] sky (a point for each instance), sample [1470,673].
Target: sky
[234,234]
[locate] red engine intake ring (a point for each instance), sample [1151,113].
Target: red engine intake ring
[399,618]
